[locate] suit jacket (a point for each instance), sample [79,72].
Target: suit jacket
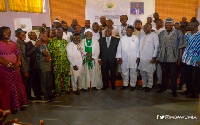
[30,52]
[108,54]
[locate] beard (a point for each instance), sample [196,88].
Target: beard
[88,38]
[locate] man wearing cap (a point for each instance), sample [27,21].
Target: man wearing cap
[92,71]
[56,24]
[56,47]
[128,57]
[21,37]
[75,57]
[177,25]
[171,47]
[53,33]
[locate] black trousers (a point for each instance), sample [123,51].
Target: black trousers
[34,79]
[27,85]
[192,78]
[105,68]
[46,83]
[166,67]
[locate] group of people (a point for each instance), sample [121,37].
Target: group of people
[89,57]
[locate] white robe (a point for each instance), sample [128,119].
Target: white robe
[138,33]
[95,36]
[93,75]
[158,31]
[75,58]
[128,50]
[148,49]
[67,36]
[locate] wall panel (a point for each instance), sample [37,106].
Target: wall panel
[70,9]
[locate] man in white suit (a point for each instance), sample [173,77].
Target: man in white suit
[128,56]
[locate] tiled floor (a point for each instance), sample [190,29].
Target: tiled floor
[111,107]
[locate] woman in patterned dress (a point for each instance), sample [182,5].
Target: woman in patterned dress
[12,91]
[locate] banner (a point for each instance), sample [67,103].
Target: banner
[112,9]
[25,24]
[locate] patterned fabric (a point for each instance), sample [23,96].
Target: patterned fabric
[12,91]
[191,55]
[80,50]
[61,63]
[170,45]
[88,49]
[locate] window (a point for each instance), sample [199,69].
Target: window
[32,6]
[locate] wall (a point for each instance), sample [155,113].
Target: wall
[37,18]
[177,9]
[69,9]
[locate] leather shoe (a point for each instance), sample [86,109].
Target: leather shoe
[174,94]
[113,88]
[147,89]
[124,87]
[143,88]
[77,92]
[161,90]
[104,88]
[132,88]
[185,92]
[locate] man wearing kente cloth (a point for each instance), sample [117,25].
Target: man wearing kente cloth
[92,71]
[56,47]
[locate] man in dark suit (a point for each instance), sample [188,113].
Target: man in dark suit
[34,80]
[108,49]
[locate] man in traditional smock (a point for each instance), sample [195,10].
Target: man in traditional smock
[149,44]
[56,47]
[75,57]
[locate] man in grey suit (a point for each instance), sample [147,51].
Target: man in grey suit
[108,49]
